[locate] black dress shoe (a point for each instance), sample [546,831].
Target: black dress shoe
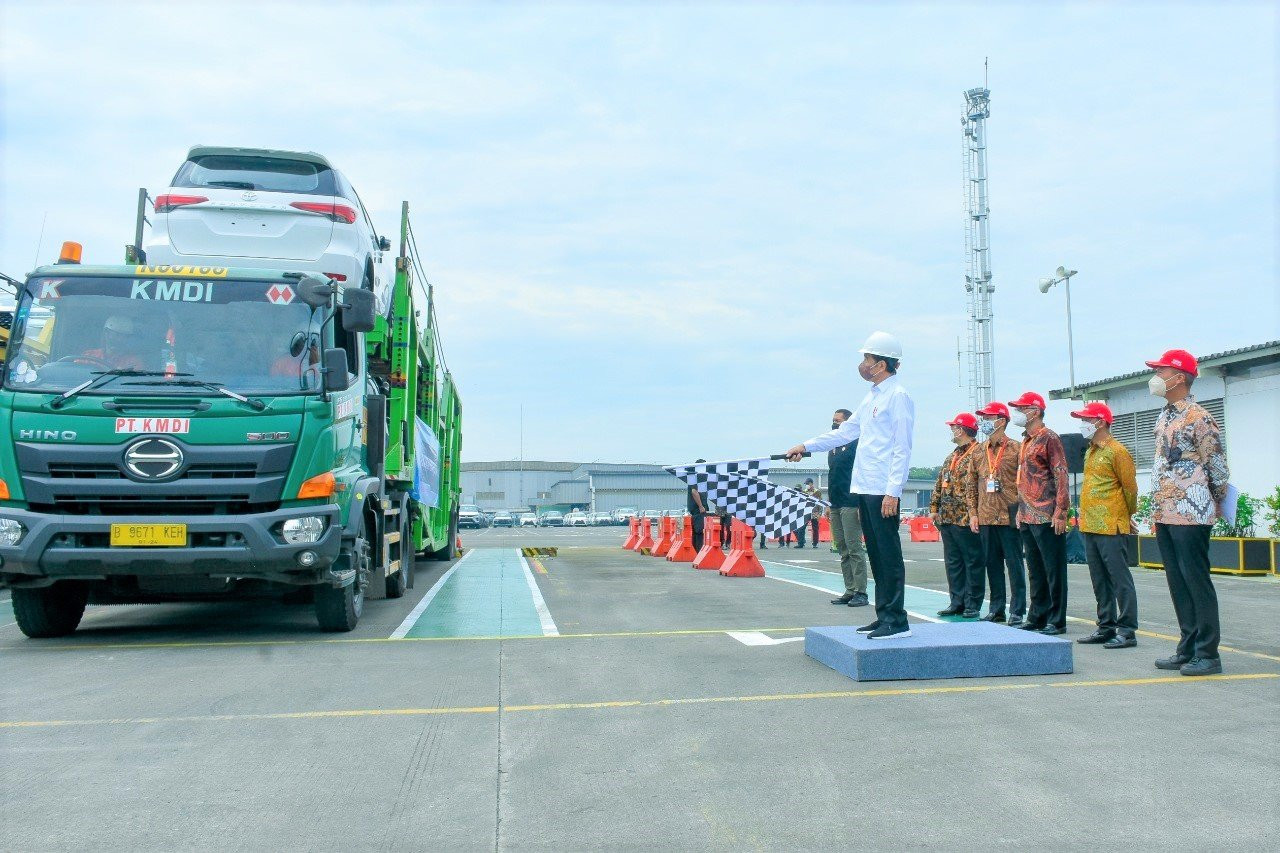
[1202,666]
[993,617]
[1098,636]
[1174,661]
[867,629]
[951,611]
[1015,622]
[1121,641]
[971,614]
[1027,626]
[844,599]
[1052,630]
[859,600]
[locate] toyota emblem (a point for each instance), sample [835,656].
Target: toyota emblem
[152,459]
[249,195]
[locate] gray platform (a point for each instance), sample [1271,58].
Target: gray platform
[942,650]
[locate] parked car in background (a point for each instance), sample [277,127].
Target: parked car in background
[503,519]
[469,515]
[654,515]
[576,518]
[269,209]
[551,518]
[528,519]
[624,514]
[599,519]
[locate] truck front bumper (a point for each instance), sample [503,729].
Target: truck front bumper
[57,547]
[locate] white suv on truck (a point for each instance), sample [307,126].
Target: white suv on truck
[259,207]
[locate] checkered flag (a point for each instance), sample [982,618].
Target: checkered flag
[768,508]
[714,479]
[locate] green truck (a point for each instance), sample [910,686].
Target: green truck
[200,433]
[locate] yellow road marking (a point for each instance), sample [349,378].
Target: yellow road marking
[636,703]
[192,644]
[537,565]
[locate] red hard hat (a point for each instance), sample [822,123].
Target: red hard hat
[1179,359]
[997,409]
[964,419]
[1095,410]
[1029,398]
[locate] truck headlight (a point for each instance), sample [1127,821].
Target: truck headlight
[11,532]
[301,531]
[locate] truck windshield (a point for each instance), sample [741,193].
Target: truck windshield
[248,336]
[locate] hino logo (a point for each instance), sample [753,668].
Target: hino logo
[152,459]
[48,434]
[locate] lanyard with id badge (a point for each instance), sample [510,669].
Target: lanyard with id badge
[955,460]
[993,468]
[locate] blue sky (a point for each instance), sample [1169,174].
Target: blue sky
[664,230]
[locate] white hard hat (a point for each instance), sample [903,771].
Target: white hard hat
[882,344]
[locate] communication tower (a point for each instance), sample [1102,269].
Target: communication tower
[977,243]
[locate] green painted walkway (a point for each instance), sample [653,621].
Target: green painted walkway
[488,593]
[924,603]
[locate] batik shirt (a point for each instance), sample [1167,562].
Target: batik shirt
[1190,469]
[993,507]
[1043,492]
[1109,495]
[950,501]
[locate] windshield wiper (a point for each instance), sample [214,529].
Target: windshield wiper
[101,378]
[254,403]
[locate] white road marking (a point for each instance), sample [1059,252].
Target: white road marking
[399,633]
[829,592]
[802,561]
[936,560]
[549,628]
[758,638]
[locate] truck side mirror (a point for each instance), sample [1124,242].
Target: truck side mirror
[315,291]
[358,310]
[335,370]
[384,244]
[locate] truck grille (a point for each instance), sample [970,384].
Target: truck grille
[111,471]
[150,504]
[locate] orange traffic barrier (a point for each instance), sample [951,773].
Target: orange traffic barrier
[710,557]
[682,551]
[824,529]
[922,529]
[645,542]
[742,561]
[666,535]
[634,536]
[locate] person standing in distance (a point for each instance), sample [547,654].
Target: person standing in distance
[1044,498]
[882,425]
[949,509]
[811,489]
[993,506]
[697,513]
[1108,500]
[1190,476]
[846,526]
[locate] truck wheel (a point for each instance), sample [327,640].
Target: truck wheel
[50,611]
[398,582]
[450,545]
[339,609]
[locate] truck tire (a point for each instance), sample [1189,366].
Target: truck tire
[398,582]
[50,611]
[450,545]
[339,609]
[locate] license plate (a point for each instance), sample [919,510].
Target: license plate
[134,535]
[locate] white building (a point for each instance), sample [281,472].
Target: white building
[1241,387]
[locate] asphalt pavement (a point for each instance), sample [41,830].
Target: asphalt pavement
[616,701]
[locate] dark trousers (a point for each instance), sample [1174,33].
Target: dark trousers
[1185,551]
[1003,550]
[1046,554]
[884,551]
[726,530]
[697,521]
[1108,558]
[800,531]
[962,553]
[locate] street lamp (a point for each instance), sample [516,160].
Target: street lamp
[1063,276]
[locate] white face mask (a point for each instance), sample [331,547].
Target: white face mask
[986,428]
[1017,418]
[1088,430]
[1157,386]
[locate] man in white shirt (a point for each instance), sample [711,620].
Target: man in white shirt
[882,426]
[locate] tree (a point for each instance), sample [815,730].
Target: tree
[924,473]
